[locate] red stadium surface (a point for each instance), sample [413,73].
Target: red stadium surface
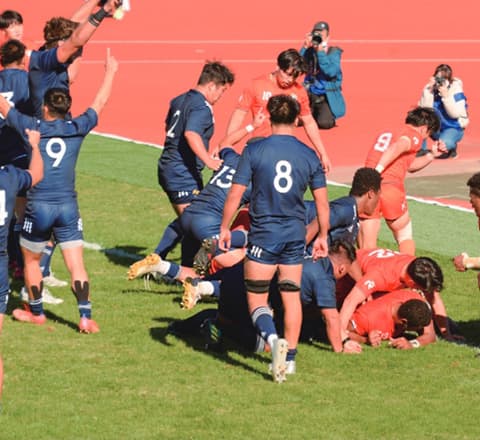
[390,50]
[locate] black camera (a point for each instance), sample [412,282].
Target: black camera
[316,39]
[439,81]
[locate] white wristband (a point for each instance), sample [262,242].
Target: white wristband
[380,168]
[414,343]
[249,128]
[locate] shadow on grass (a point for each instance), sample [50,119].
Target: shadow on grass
[198,343]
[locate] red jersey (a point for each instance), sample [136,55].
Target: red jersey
[377,314]
[396,171]
[381,270]
[255,98]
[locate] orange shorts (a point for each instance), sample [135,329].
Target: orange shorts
[392,203]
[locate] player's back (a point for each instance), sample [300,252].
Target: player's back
[45,72]
[397,170]
[280,168]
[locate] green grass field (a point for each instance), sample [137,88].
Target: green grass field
[133,381]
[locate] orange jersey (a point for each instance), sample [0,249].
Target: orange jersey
[377,314]
[396,171]
[255,98]
[382,270]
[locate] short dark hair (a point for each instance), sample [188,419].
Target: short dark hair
[57,29]
[58,102]
[343,248]
[474,184]
[283,109]
[424,116]
[416,312]
[216,72]
[426,273]
[10,17]
[291,58]
[364,180]
[12,51]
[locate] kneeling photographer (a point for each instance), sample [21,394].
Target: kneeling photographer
[323,80]
[444,93]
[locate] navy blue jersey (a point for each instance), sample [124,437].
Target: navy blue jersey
[12,180]
[211,199]
[45,72]
[280,168]
[178,163]
[60,143]
[14,88]
[318,283]
[343,218]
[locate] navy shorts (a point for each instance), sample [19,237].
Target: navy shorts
[288,252]
[200,226]
[44,218]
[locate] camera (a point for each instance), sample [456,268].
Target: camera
[316,39]
[439,81]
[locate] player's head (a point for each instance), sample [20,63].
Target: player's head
[57,102]
[11,24]
[474,185]
[342,254]
[414,314]
[12,52]
[424,116]
[214,79]
[366,189]
[290,66]
[425,274]
[283,109]
[56,30]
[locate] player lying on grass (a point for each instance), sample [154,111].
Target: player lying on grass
[383,270]
[393,317]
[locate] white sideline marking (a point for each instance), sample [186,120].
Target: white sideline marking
[124,254]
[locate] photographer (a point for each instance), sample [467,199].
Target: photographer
[445,94]
[323,80]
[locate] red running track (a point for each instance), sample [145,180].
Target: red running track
[390,50]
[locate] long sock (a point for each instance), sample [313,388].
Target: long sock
[36,304]
[171,237]
[292,352]
[263,321]
[209,288]
[81,290]
[46,259]
[17,228]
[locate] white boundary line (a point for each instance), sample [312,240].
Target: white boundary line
[331,182]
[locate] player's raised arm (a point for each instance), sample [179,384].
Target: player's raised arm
[105,90]
[85,30]
[36,163]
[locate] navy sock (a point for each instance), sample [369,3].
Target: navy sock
[292,352]
[171,237]
[263,321]
[85,309]
[216,288]
[46,259]
[173,271]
